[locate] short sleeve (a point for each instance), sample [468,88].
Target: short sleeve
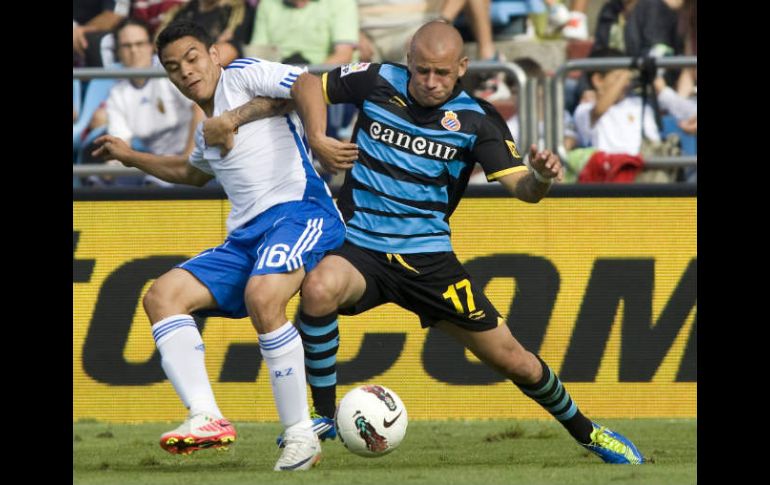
[350,83]
[344,22]
[495,150]
[258,77]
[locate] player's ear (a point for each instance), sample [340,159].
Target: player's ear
[214,53]
[463,66]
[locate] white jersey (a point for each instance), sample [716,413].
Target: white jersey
[619,130]
[157,114]
[270,161]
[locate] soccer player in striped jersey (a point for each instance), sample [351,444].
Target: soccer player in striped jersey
[282,222]
[419,135]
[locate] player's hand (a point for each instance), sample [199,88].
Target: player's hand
[365,49]
[546,163]
[220,131]
[112,147]
[79,42]
[333,154]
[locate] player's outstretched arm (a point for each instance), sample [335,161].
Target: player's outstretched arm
[531,186]
[333,154]
[219,130]
[171,168]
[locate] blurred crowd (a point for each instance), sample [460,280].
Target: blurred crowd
[614,119]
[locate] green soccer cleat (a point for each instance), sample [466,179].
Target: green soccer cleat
[613,447]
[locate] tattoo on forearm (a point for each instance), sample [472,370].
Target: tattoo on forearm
[259,108]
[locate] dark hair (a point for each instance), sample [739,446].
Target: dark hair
[125,23]
[182,28]
[531,67]
[599,53]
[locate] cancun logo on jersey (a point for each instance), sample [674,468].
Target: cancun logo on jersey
[352,68]
[450,121]
[512,148]
[416,144]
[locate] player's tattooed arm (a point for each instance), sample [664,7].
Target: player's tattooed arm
[219,130]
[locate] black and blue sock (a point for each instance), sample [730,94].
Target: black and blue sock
[321,340]
[550,393]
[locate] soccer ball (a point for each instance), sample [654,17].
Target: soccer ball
[371,421]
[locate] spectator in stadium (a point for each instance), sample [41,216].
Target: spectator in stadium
[613,123]
[387,27]
[91,21]
[535,73]
[224,20]
[151,13]
[278,203]
[154,12]
[308,31]
[417,145]
[147,112]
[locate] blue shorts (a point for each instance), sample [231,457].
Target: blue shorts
[280,240]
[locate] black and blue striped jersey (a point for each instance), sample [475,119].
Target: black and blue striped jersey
[414,162]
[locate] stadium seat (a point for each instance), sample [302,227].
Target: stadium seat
[689,143]
[76,96]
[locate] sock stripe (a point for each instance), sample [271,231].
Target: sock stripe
[321,339]
[557,405]
[316,321]
[320,363]
[286,337]
[322,381]
[321,372]
[563,406]
[171,326]
[552,395]
[317,331]
[288,330]
[535,392]
[550,400]
[567,415]
[321,355]
[169,321]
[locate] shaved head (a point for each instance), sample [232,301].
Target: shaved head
[438,38]
[435,61]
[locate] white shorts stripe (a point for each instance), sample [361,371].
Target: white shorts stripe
[310,242]
[309,231]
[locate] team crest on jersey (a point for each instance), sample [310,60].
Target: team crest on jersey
[161,108]
[512,148]
[450,121]
[353,68]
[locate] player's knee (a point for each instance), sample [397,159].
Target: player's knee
[520,365]
[319,290]
[157,298]
[264,303]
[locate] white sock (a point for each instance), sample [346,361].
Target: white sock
[285,359]
[183,359]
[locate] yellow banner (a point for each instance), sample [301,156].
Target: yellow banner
[603,289]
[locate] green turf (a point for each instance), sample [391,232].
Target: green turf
[433,452]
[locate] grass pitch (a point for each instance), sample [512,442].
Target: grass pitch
[433,452]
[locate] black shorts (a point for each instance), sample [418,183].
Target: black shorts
[435,286]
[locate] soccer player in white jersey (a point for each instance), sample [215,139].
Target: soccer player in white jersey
[282,222]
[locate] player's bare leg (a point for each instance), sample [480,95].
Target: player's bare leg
[169,304]
[333,283]
[502,352]
[266,297]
